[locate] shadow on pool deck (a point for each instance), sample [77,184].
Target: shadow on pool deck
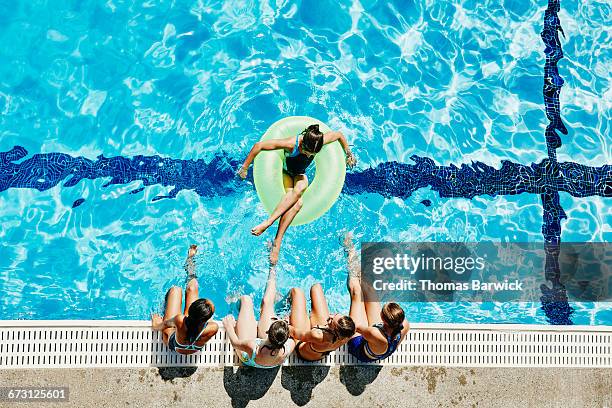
[244,384]
[356,378]
[170,373]
[300,381]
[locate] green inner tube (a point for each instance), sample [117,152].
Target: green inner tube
[322,192]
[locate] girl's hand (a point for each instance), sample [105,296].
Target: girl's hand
[350,159]
[242,172]
[157,322]
[229,322]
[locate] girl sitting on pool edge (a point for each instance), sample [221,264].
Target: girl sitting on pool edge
[380,328]
[187,332]
[299,154]
[263,344]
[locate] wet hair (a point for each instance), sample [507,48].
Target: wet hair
[200,311]
[278,333]
[393,315]
[312,139]
[345,327]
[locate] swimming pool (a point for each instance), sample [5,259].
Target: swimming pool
[175,93]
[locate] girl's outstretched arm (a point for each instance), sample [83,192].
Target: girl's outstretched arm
[330,137]
[273,144]
[371,334]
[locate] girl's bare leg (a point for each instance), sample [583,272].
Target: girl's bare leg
[284,223]
[246,326]
[320,311]
[287,219]
[288,201]
[357,310]
[370,302]
[174,299]
[372,305]
[267,305]
[191,294]
[190,261]
[299,315]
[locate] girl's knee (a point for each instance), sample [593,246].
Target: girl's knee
[299,203]
[355,291]
[267,301]
[296,292]
[192,285]
[246,300]
[174,291]
[316,288]
[300,187]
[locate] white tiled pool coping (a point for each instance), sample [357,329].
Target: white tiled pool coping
[131,343]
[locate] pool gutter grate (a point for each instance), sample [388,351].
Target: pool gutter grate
[105,344]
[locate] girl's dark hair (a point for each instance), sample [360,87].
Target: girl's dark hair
[394,316]
[199,313]
[312,139]
[345,327]
[278,333]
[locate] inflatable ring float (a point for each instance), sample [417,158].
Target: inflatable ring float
[322,192]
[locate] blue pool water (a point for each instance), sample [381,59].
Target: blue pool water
[121,125]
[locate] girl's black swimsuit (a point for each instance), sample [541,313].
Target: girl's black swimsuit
[297,162]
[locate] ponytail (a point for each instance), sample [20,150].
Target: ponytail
[278,333]
[312,139]
[199,313]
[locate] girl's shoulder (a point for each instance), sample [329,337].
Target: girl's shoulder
[289,347]
[288,142]
[331,136]
[211,329]
[375,335]
[179,320]
[406,327]
[273,144]
[208,333]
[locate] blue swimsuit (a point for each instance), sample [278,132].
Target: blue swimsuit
[297,162]
[173,343]
[250,360]
[360,349]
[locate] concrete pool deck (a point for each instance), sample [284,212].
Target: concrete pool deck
[320,386]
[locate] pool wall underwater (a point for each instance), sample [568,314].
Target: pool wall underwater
[122,127]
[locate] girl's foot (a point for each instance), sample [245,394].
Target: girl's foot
[260,229]
[274,251]
[347,241]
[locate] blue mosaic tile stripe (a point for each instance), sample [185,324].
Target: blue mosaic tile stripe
[390,179]
[393,179]
[552,80]
[44,171]
[554,297]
